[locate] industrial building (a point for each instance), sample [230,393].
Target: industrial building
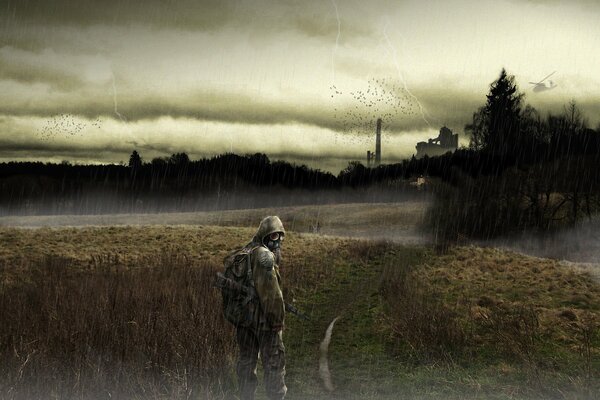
[446,141]
[374,159]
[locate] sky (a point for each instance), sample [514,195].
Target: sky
[303,81]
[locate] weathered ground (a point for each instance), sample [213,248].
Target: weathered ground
[397,222]
[129,312]
[388,221]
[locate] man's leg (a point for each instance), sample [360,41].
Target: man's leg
[272,353]
[246,365]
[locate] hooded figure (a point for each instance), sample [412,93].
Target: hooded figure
[264,336]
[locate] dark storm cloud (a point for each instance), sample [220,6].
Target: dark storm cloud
[311,18]
[76,90]
[595,4]
[205,14]
[84,156]
[24,148]
[452,107]
[18,66]
[10,147]
[325,27]
[73,93]
[201,105]
[100,152]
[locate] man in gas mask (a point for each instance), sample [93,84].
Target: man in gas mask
[264,334]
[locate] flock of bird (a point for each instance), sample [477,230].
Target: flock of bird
[360,109]
[65,124]
[356,112]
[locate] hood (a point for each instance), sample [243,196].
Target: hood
[267,226]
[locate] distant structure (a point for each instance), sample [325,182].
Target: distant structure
[370,158]
[420,182]
[446,141]
[378,143]
[375,158]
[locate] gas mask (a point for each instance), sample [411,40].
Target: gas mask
[273,241]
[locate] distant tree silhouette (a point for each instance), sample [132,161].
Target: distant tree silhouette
[135,161]
[356,174]
[496,125]
[179,159]
[159,161]
[478,130]
[170,183]
[352,167]
[575,123]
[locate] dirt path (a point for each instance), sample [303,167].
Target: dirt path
[359,363]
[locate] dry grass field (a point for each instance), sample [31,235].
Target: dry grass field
[391,221]
[129,312]
[523,314]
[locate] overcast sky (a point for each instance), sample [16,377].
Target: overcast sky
[89,81]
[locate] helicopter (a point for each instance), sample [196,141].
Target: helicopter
[541,86]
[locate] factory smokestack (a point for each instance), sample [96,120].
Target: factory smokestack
[378,143]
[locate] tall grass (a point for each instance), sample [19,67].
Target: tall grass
[425,326]
[118,314]
[154,330]
[501,312]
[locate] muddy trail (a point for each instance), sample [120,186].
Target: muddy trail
[359,363]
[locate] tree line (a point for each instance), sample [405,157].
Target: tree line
[521,170]
[36,187]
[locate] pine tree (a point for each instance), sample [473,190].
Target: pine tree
[496,125]
[135,161]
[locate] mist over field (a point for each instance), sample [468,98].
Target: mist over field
[397,222]
[580,244]
[109,202]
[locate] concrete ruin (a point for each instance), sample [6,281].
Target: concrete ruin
[446,141]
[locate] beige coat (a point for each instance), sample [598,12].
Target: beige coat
[267,281]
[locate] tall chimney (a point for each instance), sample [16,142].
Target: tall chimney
[378,143]
[368,158]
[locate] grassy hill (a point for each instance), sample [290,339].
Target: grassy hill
[130,312]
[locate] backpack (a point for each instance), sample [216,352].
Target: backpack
[237,308]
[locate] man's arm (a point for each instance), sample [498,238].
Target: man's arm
[266,282]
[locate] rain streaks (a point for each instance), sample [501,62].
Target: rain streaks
[394,56]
